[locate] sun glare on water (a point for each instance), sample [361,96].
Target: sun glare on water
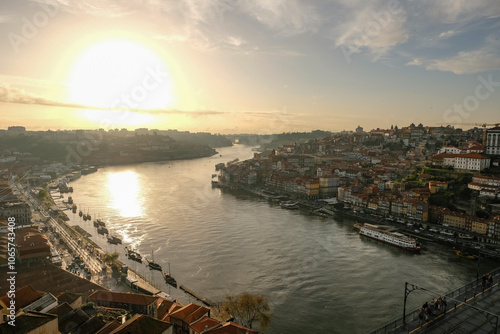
[120,75]
[125,192]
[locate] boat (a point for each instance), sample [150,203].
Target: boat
[114,240]
[290,205]
[465,255]
[73,208]
[133,255]
[389,237]
[152,264]
[96,224]
[357,226]
[169,278]
[80,213]
[102,230]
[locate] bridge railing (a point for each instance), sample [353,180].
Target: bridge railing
[398,324]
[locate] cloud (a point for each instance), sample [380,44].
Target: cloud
[375,28]
[9,94]
[447,34]
[485,58]
[105,8]
[288,17]
[453,11]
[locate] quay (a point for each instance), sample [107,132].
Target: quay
[205,301]
[472,308]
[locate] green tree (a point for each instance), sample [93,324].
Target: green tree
[247,309]
[42,194]
[110,258]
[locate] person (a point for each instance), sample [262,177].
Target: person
[490,279]
[484,282]
[421,316]
[439,302]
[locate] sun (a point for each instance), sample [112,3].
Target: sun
[120,74]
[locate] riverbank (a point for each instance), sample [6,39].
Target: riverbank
[425,231]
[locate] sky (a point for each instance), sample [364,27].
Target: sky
[260,66]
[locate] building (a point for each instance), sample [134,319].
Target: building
[472,162]
[132,302]
[467,161]
[143,324]
[32,323]
[488,186]
[19,210]
[32,245]
[435,186]
[231,328]
[184,317]
[493,141]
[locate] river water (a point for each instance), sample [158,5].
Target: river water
[317,273]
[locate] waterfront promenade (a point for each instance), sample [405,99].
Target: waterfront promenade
[473,308]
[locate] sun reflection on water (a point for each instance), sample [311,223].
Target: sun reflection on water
[125,193]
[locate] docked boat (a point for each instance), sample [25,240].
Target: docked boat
[114,240]
[290,205]
[96,224]
[389,237]
[133,255]
[465,255]
[169,278]
[73,208]
[152,264]
[80,213]
[102,230]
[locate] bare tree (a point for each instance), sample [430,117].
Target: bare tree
[247,309]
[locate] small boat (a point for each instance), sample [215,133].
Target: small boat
[96,224]
[357,226]
[133,255]
[465,255]
[73,208]
[102,230]
[114,240]
[169,278]
[152,264]
[80,213]
[101,223]
[290,205]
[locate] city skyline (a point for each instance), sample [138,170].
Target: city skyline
[261,67]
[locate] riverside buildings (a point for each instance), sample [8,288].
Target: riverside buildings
[394,173]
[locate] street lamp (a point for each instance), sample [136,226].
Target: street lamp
[409,288]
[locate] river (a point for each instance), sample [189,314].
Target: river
[317,273]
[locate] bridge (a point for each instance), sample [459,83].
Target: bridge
[472,308]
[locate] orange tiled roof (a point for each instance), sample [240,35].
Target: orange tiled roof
[122,297]
[24,296]
[204,324]
[232,328]
[190,313]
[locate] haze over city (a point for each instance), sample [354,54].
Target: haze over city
[239,67]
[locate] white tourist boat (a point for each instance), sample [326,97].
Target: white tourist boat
[392,238]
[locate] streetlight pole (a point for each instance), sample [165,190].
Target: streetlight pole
[408,290]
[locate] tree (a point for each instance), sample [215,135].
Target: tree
[247,309]
[42,194]
[110,258]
